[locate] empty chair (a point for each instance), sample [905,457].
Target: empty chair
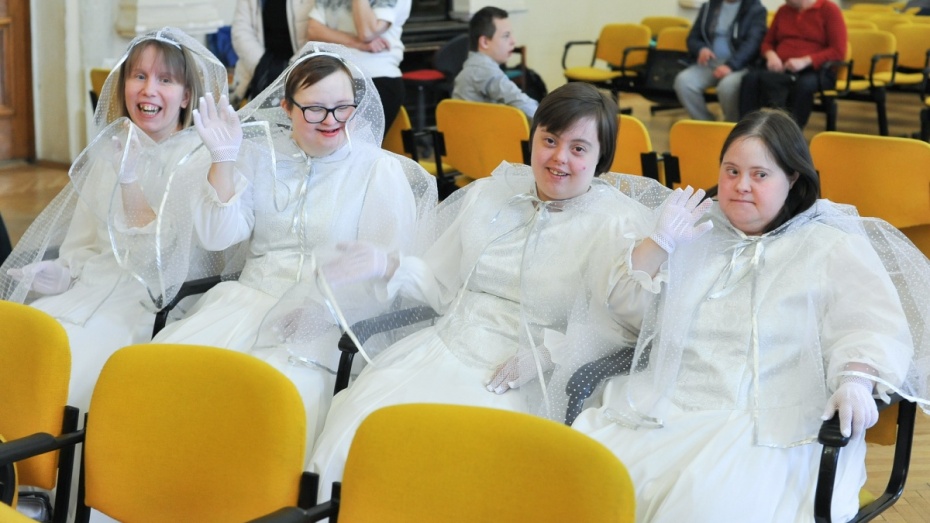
[192,433]
[865,76]
[401,139]
[634,153]
[35,371]
[658,24]
[98,76]
[855,169]
[451,463]
[476,137]
[694,148]
[621,67]
[887,22]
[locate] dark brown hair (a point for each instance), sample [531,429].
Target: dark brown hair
[568,104]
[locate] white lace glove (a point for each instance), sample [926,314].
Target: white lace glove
[47,276]
[853,400]
[519,370]
[359,261]
[219,128]
[676,225]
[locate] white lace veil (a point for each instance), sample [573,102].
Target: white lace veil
[118,145]
[272,162]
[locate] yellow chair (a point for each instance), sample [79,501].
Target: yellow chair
[634,154]
[476,137]
[622,65]
[857,15]
[886,22]
[452,463]
[694,153]
[35,371]
[673,39]
[855,23]
[913,46]
[868,71]
[872,8]
[657,24]
[9,514]
[400,139]
[853,169]
[98,76]
[192,433]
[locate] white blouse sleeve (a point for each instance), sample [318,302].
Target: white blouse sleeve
[863,321]
[221,225]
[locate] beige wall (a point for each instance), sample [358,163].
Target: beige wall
[72,36]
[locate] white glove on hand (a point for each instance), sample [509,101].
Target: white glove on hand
[519,370]
[853,400]
[676,225]
[359,261]
[219,128]
[47,276]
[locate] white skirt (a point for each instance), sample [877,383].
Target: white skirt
[121,319]
[702,466]
[417,369]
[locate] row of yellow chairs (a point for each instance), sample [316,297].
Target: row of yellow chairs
[194,433]
[475,154]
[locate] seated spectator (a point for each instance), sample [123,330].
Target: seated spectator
[723,41]
[266,34]
[804,35]
[490,42]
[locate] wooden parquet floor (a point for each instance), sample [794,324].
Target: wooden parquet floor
[25,189]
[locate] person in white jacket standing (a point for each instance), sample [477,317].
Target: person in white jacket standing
[264,47]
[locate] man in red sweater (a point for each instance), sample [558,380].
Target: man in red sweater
[803,36]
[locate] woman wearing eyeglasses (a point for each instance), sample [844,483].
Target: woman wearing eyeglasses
[310,173]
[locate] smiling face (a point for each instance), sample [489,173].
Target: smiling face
[752,188]
[500,46]
[564,164]
[154,95]
[324,138]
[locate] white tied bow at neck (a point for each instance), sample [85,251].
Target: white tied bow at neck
[745,258]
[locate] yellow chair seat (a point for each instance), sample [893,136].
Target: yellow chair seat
[430,167]
[590,74]
[901,78]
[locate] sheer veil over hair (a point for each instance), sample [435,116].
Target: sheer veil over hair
[119,151]
[310,340]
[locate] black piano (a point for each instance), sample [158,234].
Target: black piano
[429,26]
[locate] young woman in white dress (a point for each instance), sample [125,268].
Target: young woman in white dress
[65,263]
[309,175]
[791,309]
[534,271]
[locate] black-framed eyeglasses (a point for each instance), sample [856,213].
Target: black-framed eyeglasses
[318,113]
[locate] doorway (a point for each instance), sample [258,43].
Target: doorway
[17,135]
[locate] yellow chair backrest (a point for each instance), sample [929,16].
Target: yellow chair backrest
[9,514]
[614,38]
[886,22]
[632,140]
[451,463]
[673,39]
[479,136]
[865,44]
[35,371]
[393,140]
[98,76]
[697,144]
[913,41]
[854,169]
[875,8]
[192,433]
[856,23]
[657,24]
[860,15]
